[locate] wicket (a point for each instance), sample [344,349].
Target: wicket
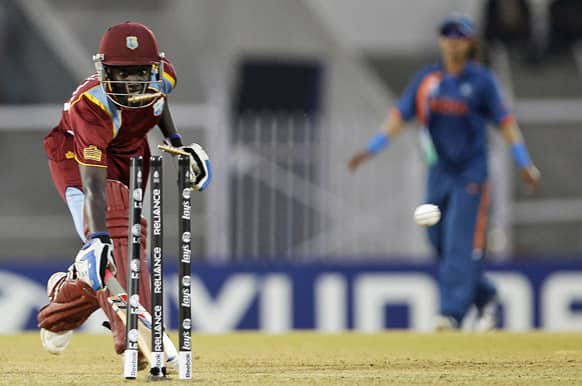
[134,235]
[158,369]
[184,268]
[157,267]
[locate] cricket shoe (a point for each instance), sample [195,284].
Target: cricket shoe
[487,316]
[55,342]
[443,323]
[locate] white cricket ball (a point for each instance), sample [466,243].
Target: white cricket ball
[427,215]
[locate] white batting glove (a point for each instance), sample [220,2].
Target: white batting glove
[199,166]
[92,260]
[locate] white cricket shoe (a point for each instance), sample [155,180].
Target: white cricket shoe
[444,323]
[55,342]
[487,316]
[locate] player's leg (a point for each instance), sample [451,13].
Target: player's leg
[485,300]
[55,342]
[58,318]
[438,186]
[436,189]
[486,291]
[487,303]
[55,316]
[71,302]
[117,224]
[71,311]
[460,268]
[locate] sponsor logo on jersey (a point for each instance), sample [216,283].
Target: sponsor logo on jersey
[448,106]
[131,42]
[91,152]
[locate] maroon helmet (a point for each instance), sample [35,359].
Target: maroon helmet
[125,45]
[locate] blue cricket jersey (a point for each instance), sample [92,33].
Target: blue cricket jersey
[456,109]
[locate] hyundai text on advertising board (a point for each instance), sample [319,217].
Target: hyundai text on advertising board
[328,298]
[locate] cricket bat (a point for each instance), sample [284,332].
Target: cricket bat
[118,301]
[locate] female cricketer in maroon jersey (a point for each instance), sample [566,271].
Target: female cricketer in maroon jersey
[103,125]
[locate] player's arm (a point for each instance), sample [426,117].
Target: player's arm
[199,161]
[96,256]
[529,173]
[91,138]
[168,128]
[404,110]
[166,124]
[93,179]
[391,126]
[511,132]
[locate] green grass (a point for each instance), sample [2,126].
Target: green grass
[307,358]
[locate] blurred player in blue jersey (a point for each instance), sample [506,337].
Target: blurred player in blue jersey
[454,99]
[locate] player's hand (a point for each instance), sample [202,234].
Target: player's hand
[199,165]
[357,159]
[531,178]
[93,259]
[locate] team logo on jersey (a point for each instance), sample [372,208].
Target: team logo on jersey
[466,90]
[159,107]
[91,152]
[131,42]
[69,155]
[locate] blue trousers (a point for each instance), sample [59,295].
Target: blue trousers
[459,241]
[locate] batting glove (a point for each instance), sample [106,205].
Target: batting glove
[93,258]
[199,166]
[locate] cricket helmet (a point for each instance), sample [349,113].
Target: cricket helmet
[128,44]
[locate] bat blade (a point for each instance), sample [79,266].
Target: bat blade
[118,301]
[144,338]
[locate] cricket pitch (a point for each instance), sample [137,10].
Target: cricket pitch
[307,358]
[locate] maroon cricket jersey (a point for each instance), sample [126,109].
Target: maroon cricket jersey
[95,131]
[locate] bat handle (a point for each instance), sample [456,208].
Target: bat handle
[172,150]
[143,97]
[112,283]
[108,275]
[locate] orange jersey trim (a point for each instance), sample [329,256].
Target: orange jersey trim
[425,87]
[481,223]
